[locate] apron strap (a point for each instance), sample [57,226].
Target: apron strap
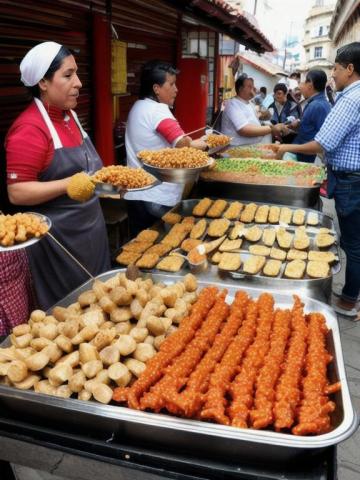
[83,133]
[54,135]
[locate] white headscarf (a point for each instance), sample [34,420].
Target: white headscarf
[37,62]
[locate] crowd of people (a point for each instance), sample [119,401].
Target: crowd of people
[46,145]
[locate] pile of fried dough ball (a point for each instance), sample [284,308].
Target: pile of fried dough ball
[20,227]
[99,342]
[185,157]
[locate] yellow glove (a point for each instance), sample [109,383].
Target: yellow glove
[80,187]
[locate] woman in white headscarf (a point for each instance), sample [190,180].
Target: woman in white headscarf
[45,146]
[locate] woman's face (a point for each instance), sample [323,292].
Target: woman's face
[166,93]
[62,90]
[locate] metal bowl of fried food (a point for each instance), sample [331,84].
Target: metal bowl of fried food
[118,179]
[22,230]
[176,165]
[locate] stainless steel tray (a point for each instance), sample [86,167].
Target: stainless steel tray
[177,175]
[193,435]
[31,241]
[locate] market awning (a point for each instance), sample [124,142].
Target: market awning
[226,19]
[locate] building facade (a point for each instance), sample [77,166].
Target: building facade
[345,24]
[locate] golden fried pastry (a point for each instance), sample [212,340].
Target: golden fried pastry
[189,220]
[217,140]
[253,234]
[285,215]
[217,208]
[248,214]
[259,250]
[277,254]
[171,263]
[176,234]
[317,269]
[272,268]
[316,256]
[230,261]
[135,246]
[198,229]
[236,231]
[269,236]
[294,254]
[147,236]
[233,211]
[148,260]
[324,240]
[230,245]
[210,246]
[171,218]
[298,217]
[295,269]
[301,241]
[253,264]
[159,249]
[184,157]
[190,243]
[216,257]
[20,227]
[274,214]
[125,177]
[126,258]
[262,213]
[284,238]
[218,227]
[324,230]
[202,207]
[312,218]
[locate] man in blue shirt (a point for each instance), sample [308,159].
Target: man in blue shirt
[339,139]
[315,111]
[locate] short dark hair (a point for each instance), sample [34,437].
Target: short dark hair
[296,75]
[318,78]
[263,90]
[154,72]
[280,86]
[240,81]
[349,53]
[54,66]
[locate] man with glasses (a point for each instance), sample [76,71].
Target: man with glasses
[339,139]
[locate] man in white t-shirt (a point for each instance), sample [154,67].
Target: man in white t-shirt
[239,119]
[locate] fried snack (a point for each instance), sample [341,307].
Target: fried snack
[127,258]
[218,227]
[230,245]
[262,213]
[171,218]
[272,268]
[189,221]
[176,235]
[317,269]
[294,254]
[125,177]
[324,230]
[216,257]
[312,218]
[253,234]
[135,246]
[233,211]
[230,261]
[259,250]
[217,208]
[210,246]
[274,214]
[285,215]
[269,236]
[147,236]
[159,249]
[198,229]
[190,243]
[148,260]
[236,230]
[20,227]
[202,207]
[298,217]
[301,241]
[277,254]
[295,269]
[216,140]
[284,238]
[185,157]
[316,256]
[254,264]
[324,240]
[248,214]
[80,187]
[171,263]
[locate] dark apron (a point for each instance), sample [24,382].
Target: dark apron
[80,227]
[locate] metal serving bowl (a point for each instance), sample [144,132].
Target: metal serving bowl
[177,175]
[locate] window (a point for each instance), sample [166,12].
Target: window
[320,31]
[318,51]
